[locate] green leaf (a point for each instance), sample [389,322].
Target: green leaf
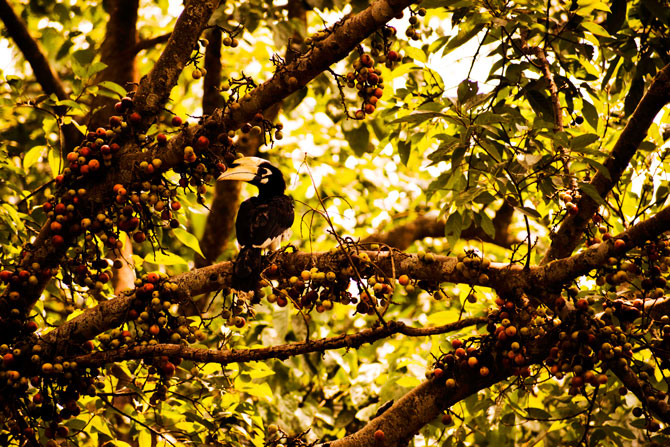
[32,156]
[530,212]
[441,318]
[453,228]
[595,29]
[415,53]
[661,194]
[404,150]
[70,103]
[358,138]
[584,140]
[188,239]
[294,99]
[466,32]
[165,258]
[590,190]
[407,382]
[598,166]
[94,68]
[466,90]
[114,87]
[486,224]
[590,114]
[417,117]
[55,162]
[144,437]
[537,413]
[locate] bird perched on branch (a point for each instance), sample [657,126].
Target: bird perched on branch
[263,221]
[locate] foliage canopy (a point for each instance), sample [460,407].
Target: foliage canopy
[480,251]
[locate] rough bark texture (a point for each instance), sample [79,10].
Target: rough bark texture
[504,278]
[117,52]
[154,91]
[657,96]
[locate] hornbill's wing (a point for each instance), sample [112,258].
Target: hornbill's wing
[259,222]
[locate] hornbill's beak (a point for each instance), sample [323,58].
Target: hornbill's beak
[245,169]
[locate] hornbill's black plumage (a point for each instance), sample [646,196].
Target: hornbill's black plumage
[263,221]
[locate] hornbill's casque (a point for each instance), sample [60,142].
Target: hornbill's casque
[263,221]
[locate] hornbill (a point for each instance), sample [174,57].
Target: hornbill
[263,221]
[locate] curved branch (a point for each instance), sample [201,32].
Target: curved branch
[503,278]
[657,96]
[281,352]
[345,36]
[31,50]
[44,73]
[652,398]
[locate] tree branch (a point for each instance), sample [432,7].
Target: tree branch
[154,90]
[146,44]
[504,278]
[402,236]
[657,96]
[31,50]
[117,53]
[46,76]
[281,352]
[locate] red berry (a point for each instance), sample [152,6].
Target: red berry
[176,121]
[135,118]
[379,436]
[203,142]
[8,359]
[152,277]
[169,369]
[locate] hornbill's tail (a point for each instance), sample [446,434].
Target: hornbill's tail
[247,269]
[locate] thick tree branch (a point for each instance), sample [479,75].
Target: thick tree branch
[652,398]
[154,90]
[504,278]
[281,352]
[46,76]
[344,37]
[31,50]
[117,53]
[151,96]
[657,96]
